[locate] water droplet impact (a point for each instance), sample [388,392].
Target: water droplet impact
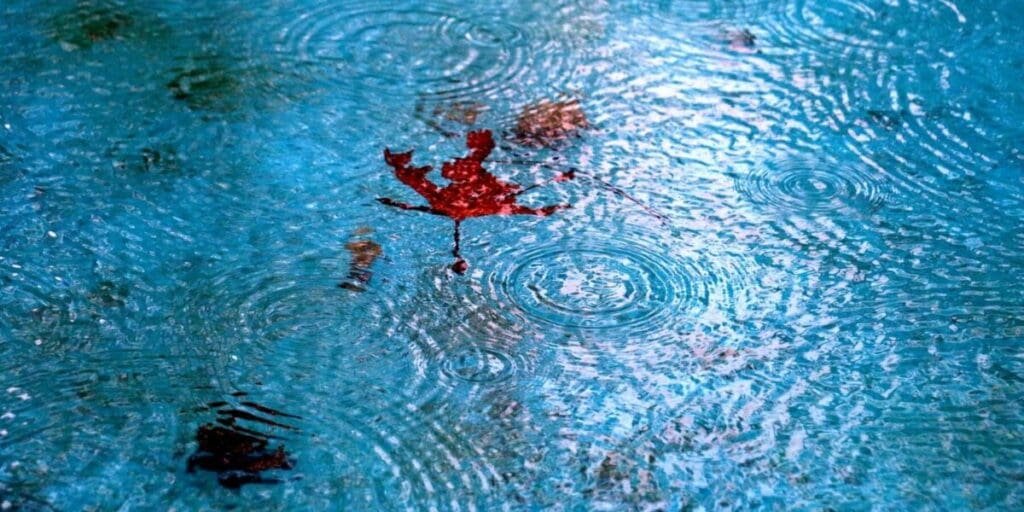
[478,365]
[798,186]
[407,52]
[590,288]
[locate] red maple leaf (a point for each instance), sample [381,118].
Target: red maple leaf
[472,192]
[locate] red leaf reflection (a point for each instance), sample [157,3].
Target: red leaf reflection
[472,192]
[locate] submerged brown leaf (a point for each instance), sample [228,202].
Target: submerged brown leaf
[547,122]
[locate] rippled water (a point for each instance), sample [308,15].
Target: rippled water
[828,315]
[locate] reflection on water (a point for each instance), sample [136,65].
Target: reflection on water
[788,278]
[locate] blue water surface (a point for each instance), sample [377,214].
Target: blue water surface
[829,317]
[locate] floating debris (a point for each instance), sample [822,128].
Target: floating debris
[741,40]
[89,22]
[237,454]
[212,84]
[887,119]
[546,122]
[159,160]
[108,294]
[364,252]
[473,191]
[154,158]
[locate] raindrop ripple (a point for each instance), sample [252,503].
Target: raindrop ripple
[383,52]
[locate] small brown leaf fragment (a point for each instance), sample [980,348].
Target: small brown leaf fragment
[363,252]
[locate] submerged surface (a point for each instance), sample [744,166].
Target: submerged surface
[830,315]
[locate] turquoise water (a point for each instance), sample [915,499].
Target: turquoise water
[829,316]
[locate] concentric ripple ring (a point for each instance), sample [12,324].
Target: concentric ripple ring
[599,285]
[478,365]
[590,288]
[809,186]
[394,51]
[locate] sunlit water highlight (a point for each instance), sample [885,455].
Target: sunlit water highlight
[829,315]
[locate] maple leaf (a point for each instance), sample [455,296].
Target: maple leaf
[472,190]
